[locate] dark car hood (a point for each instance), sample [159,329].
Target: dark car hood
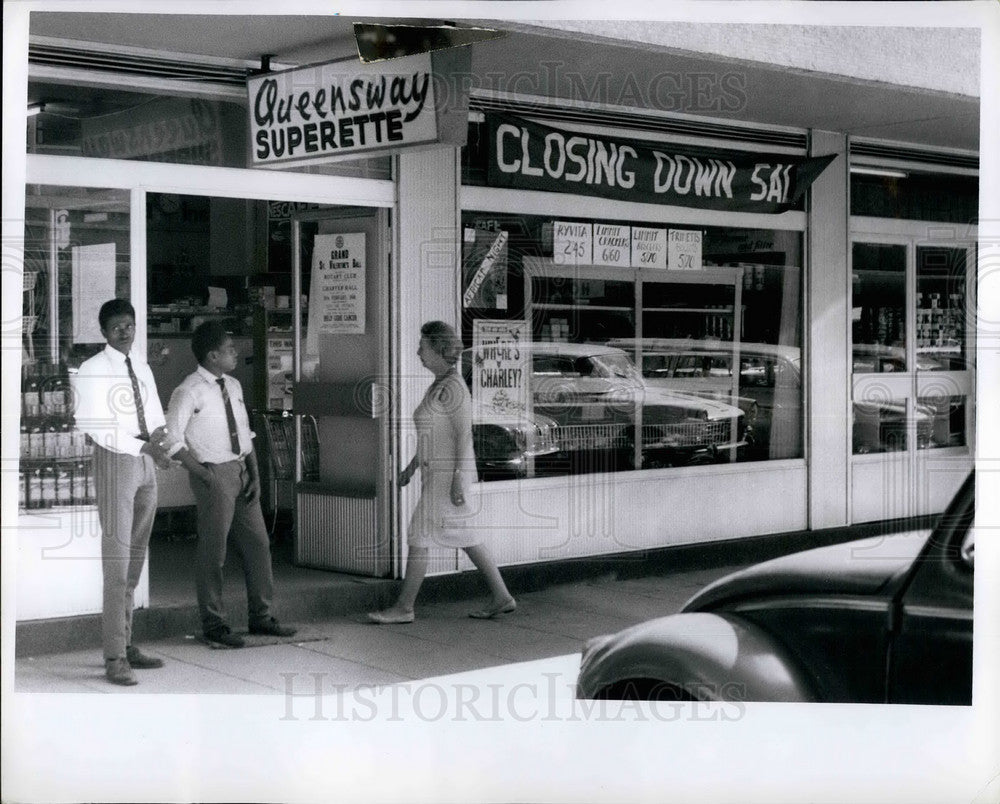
[862,567]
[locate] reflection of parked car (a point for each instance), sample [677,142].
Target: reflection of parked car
[769,391]
[596,395]
[506,443]
[879,620]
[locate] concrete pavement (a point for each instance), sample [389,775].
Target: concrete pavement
[341,652]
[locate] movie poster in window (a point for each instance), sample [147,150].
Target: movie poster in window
[484,269]
[499,367]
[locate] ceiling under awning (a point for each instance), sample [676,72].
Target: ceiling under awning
[573,68]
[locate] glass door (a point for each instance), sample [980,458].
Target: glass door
[912,363]
[340,371]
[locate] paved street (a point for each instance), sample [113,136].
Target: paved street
[544,635]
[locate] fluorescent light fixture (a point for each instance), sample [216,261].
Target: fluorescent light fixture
[864,170]
[35,108]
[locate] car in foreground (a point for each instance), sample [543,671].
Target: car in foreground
[879,620]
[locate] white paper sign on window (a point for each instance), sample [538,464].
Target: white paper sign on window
[612,245]
[337,287]
[93,284]
[572,243]
[684,250]
[649,247]
[499,367]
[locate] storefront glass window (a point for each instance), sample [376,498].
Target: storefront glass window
[693,359]
[878,307]
[76,257]
[117,124]
[941,308]
[937,197]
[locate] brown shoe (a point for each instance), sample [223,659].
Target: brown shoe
[119,671]
[140,661]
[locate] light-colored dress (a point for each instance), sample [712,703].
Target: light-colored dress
[443,421]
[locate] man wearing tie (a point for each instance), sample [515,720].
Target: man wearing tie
[206,410]
[118,407]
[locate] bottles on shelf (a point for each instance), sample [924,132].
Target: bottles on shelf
[55,457]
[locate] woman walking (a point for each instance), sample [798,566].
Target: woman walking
[447,465]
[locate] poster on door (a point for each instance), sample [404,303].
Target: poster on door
[336,288]
[499,367]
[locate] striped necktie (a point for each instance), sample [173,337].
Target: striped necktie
[137,395]
[234,437]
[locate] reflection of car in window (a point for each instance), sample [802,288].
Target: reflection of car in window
[596,396]
[886,619]
[769,391]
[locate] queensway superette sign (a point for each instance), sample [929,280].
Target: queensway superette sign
[324,112]
[529,156]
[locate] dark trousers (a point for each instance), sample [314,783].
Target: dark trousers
[223,513]
[126,506]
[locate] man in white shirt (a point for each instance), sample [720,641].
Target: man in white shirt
[206,410]
[118,407]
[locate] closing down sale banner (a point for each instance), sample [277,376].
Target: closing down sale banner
[529,156]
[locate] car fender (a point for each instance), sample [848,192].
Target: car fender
[707,656]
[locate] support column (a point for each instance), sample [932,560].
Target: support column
[828,345]
[425,271]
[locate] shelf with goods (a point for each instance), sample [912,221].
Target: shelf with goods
[183,319]
[55,458]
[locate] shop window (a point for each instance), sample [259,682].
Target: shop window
[943,198]
[941,308]
[878,307]
[119,124]
[632,368]
[76,257]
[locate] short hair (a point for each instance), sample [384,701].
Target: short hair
[112,308]
[207,336]
[442,338]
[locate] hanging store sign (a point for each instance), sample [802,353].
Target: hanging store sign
[326,112]
[529,156]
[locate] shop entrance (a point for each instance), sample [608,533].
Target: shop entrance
[257,266]
[913,399]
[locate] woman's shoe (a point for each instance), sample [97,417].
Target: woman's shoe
[390,617]
[488,614]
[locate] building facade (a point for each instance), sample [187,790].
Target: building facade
[702,298]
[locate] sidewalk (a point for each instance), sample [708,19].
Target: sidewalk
[346,650]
